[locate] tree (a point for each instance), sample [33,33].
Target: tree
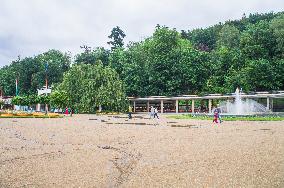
[117,36]
[28,100]
[258,41]
[90,86]
[261,75]
[279,74]
[205,39]
[92,56]
[277,26]
[58,63]
[7,81]
[59,99]
[164,64]
[224,63]
[247,52]
[229,37]
[184,34]
[117,59]
[135,72]
[31,73]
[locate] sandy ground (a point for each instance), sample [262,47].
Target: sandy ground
[112,151]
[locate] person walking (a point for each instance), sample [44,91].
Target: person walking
[219,112]
[152,112]
[215,117]
[66,111]
[156,113]
[130,112]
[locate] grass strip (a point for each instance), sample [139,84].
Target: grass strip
[31,116]
[229,118]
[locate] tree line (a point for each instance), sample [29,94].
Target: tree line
[247,53]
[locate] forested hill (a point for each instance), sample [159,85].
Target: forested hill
[248,53]
[206,39]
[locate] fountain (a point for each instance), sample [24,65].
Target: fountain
[242,107]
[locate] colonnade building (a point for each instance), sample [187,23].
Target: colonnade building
[203,104]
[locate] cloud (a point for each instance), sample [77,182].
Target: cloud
[33,26]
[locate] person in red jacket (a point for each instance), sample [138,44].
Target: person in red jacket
[66,111]
[215,119]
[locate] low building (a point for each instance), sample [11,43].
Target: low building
[165,104]
[6,102]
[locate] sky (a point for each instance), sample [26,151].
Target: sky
[31,27]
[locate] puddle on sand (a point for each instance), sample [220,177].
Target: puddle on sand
[189,126]
[128,123]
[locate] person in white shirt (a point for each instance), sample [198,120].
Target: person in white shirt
[156,113]
[152,112]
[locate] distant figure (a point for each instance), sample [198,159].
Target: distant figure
[130,112]
[66,111]
[156,113]
[215,119]
[152,111]
[219,112]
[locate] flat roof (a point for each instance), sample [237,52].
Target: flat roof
[192,97]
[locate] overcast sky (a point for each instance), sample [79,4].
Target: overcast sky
[30,27]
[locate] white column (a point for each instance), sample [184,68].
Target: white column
[192,106]
[271,105]
[162,106]
[46,108]
[134,106]
[38,107]
[209,105]
[267,103]
[186,106]
[176,106]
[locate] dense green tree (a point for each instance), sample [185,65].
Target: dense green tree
[258,41]
[117,36]
[90,86]
[277,26]
[223,62]
[28,100]
[31,72]
[229,37]
[135,72]
[245,53]
[279,74]
[92,56]
[59,99]
[58,63]
[164,64]
[7,80]
[117,59]
[257,17]
[205,39]
[20,100]
[261,75]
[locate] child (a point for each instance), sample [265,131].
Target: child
[215,120]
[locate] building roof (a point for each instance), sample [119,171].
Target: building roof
[209,96]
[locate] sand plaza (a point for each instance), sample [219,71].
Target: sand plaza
[113,151]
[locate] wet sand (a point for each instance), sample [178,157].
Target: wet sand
[112,151]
